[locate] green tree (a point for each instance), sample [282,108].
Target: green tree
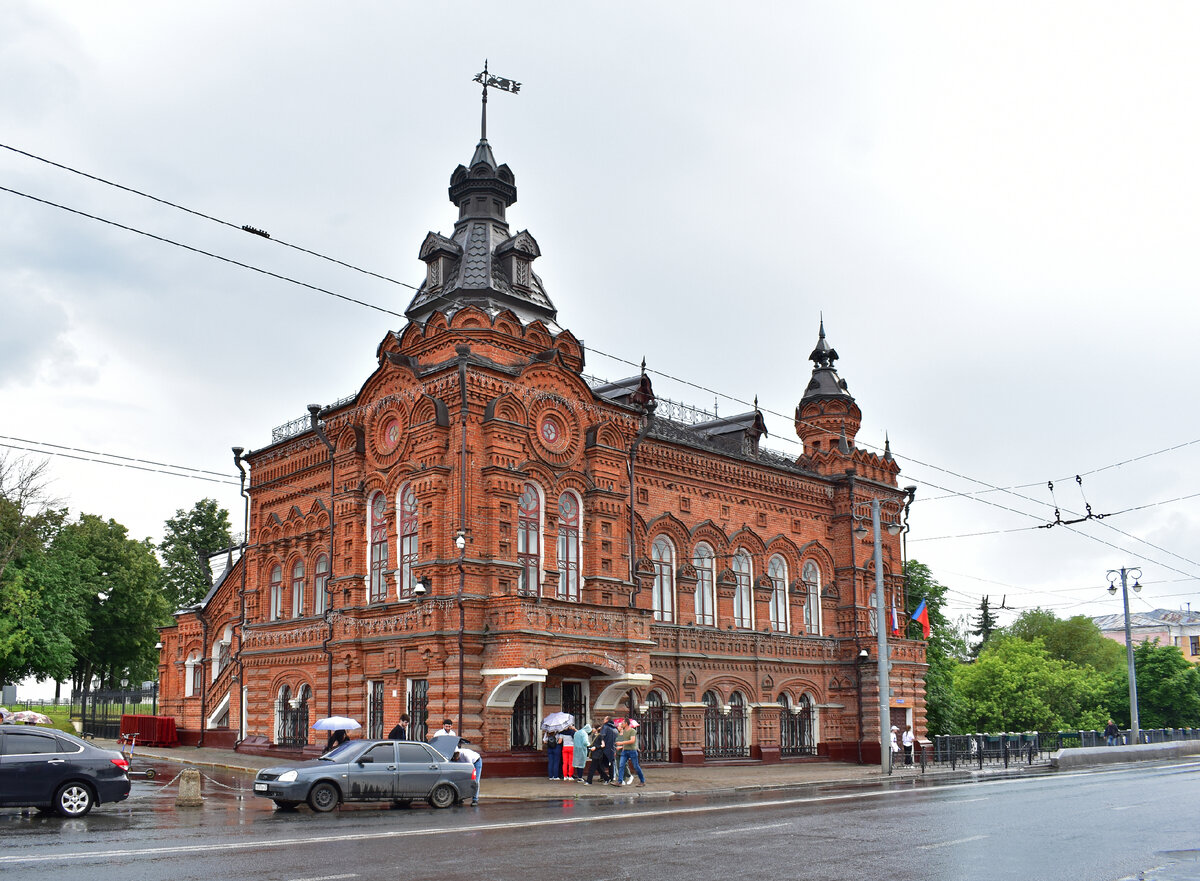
[120,594]
[191,537]
[1076,639]
[1168,688]
[985,625]
[943,708]
[30,610]
[1015,685]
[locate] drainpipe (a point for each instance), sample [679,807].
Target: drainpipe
[314,411]
[460,540]
[239,462]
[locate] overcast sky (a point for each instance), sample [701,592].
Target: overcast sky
[995,207]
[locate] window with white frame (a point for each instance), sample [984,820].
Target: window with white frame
[192,675]
[811,576]
[568,546]
[777,572]
[706,600]
[407,523]
[321,585]
[529,540]
[743,599]
[377,529]
[275,592]
[298,589]
[662,555]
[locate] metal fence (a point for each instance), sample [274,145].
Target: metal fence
[1029,747]
[100,712]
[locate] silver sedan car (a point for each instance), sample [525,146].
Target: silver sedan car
[398,771]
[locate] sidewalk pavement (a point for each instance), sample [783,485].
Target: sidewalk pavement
[661,780]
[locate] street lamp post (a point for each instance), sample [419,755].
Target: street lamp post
[894,528]
[1113,575]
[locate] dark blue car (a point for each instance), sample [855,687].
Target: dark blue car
[50,770]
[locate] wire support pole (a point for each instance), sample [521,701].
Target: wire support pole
[1123,573]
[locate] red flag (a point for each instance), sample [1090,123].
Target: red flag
[922,615]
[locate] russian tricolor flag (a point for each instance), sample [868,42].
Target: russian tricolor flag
[922,615]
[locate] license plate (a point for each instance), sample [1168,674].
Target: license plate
[260,787]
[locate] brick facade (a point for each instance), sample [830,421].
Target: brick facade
[745,585]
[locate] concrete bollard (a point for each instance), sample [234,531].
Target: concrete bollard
[189,789]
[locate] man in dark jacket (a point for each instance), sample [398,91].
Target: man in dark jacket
[605,752]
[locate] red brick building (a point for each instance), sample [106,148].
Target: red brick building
[483,535]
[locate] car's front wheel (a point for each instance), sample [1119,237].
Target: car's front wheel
[73,800]
[323,797]
[443,796]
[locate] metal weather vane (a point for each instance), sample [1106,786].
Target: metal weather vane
[494,82]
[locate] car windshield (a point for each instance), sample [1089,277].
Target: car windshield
[343,752]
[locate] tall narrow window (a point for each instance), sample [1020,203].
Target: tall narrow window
[297,588]
[379,549]
[662,555]
[568,547]
[812,602]
[321,585]
[743,601]
[276,592]
[529,540]
[706,601]
[777,572]
[407,531]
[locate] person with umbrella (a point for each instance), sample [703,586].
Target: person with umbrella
[338,728]
[551,726]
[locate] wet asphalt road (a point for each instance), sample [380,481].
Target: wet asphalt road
[1111,824]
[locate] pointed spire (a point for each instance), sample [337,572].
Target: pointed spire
[843,444]
[887,448]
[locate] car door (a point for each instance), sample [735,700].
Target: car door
[32,765]
[372,776]
[418,766]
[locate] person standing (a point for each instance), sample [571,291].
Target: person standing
[447,730]
[581,752]
[463,754]
[566,740]
[907,740]
[627,742]
[604,751]
[553,755]
[400,730]
[895,746]
[1111,733]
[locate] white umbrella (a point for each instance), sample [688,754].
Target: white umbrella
[558,722]
[31,717]
[336,723]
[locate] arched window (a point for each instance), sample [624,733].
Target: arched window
[568,547]
[777,572]
[743,599]
[706,600]
[739,718]
[297,588]
[321,585]
[529,540]
[276,592]
[407,530]
[812,601]
[379,548]
[662,554]
[796,727]
[193,675]
[222,655]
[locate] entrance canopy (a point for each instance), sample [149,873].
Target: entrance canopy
[513,681]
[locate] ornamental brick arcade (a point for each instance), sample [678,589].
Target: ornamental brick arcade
[481,534]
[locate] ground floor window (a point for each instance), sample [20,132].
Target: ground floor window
[796,727]
[291,717]
[524,719]
[654,742]
[418,709]
[573,702]
[375,709]
[725,727]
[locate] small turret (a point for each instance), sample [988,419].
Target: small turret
[827,418]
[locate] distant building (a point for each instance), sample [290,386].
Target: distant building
[1178,628]
[512,538]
